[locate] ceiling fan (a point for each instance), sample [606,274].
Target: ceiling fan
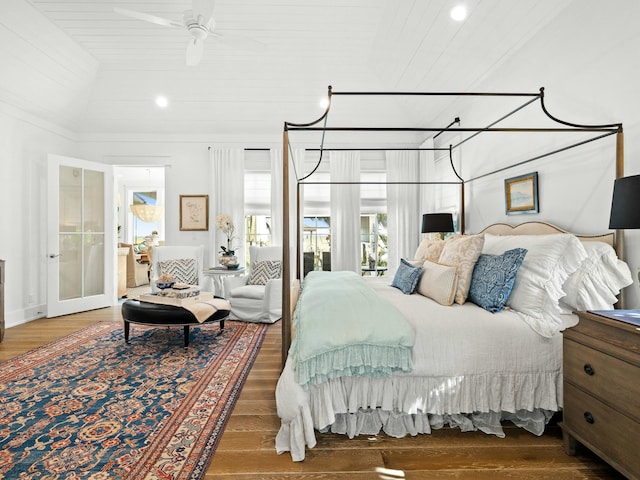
[198,22]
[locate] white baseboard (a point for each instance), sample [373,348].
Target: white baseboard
[19,317]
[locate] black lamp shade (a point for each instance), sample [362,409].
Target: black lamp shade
[437,222]
[625,206]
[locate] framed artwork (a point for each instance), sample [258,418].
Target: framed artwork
[194,212]
[521,194]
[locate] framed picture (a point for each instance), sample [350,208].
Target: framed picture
[521,194]
[194,212]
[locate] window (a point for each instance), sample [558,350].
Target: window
[373,233]
[257,207]
[146,215]
[316,243]
[258,230]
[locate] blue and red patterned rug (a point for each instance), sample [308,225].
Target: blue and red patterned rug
[89,406]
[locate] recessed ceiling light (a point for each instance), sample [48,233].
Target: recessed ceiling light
[162,102]
[458,13]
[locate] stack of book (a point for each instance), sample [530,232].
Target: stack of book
[179,298]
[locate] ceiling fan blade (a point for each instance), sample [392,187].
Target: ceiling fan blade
[203,9]
[147,17]
[195,48]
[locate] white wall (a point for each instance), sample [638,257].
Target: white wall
[24,144]
[587,67]
[187,171]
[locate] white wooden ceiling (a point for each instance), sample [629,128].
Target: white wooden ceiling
[120,64]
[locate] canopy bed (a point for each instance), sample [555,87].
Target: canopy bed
[457,362]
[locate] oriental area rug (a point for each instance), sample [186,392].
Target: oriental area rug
[90,406]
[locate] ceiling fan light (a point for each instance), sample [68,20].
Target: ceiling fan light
[195,49]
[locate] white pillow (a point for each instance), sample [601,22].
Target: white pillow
[549,261]
[596,283]
[438,282]
[463,252]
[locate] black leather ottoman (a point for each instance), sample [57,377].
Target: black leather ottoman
[158,315]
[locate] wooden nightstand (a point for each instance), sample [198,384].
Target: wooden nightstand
[602,390]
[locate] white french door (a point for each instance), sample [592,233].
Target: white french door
[80,236]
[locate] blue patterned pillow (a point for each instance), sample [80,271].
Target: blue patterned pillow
[493,278]
[406,277]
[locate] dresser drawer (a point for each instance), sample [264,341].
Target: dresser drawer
[611,379]
[614,435]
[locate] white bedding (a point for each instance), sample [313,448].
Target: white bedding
[465,360]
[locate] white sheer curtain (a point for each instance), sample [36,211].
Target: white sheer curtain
[277,216]
[345,211]
[403,204]
[296,166]
[276,196]
[427,192]
[227,196]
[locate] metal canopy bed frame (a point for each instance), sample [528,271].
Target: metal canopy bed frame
[289,299]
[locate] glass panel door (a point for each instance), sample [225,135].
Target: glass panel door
[80,272]
[81,233]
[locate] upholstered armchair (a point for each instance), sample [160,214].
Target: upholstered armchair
[185,263]
[137,273]
[257,297]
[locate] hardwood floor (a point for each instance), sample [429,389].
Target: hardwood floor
[246,450]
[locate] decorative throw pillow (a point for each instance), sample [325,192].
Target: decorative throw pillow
[598,280]
[263,271]
[549,261]
[438,282]
[184,270]
[406,277]
[429,250]
[462,251]
[493,278]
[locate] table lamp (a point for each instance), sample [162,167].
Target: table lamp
[439,223]
[625,206]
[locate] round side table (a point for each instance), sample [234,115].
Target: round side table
[217,274]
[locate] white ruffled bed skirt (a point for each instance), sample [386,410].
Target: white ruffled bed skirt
[405,405]
[293,436]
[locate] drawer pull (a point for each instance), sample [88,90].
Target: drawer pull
[589,418]
[588,369]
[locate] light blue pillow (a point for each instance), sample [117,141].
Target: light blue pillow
[493,278]
[406,277]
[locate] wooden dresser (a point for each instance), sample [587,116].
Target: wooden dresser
[602,391]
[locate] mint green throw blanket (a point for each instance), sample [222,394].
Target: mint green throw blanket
[343,328]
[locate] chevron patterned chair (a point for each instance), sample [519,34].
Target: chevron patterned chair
[185,263]
[257,297]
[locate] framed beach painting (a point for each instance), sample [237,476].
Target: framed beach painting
[521,194]
[194,212]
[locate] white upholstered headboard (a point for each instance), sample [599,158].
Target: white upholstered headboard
[541,228]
